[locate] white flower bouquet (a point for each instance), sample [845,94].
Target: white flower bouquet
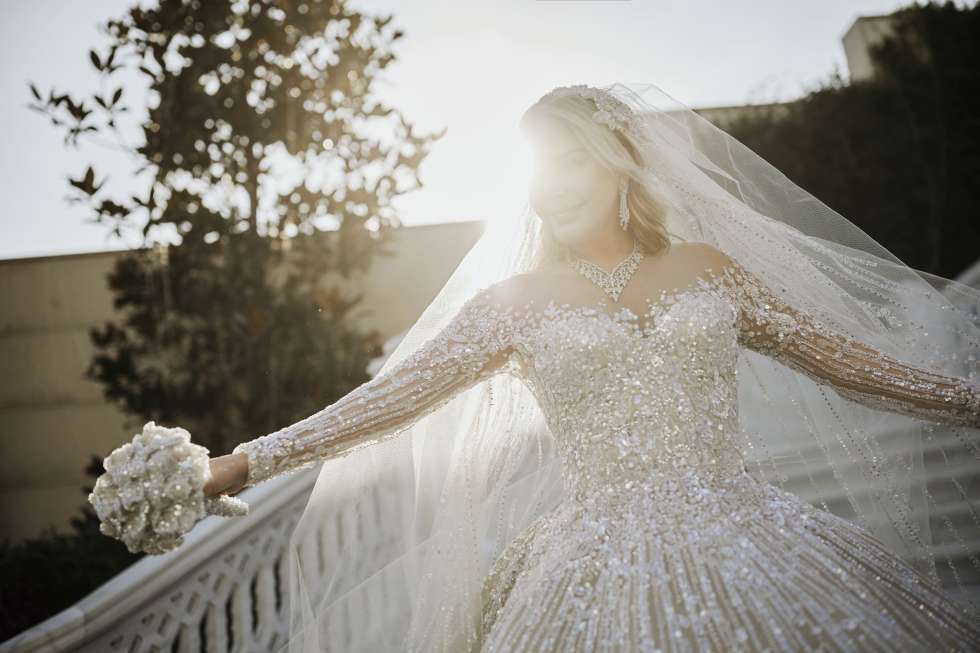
[152,491]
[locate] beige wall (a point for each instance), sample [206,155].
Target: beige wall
[52,418]
[865,32]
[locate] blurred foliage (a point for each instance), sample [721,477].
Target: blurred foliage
[260,134]
[898,155]
[43,575]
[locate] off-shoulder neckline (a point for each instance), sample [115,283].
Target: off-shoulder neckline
[710,282]
[641,326]
[708,279]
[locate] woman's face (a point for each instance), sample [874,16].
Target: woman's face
[573,193]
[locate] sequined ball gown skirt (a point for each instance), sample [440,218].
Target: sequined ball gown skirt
[695,563]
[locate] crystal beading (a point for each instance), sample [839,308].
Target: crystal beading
[662,540]
[610,110]
[612,283]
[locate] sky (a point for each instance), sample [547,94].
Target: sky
[469,66]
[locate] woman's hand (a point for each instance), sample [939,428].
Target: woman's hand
[228,474]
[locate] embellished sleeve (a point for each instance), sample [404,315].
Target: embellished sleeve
[473,346]
[769,325]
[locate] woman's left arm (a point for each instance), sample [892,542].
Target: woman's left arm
[769,325]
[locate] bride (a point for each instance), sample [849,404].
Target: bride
[616,420]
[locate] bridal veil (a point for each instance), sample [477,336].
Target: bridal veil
[392,548]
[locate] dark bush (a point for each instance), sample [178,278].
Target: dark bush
[42,576]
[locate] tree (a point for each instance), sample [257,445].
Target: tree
[261,135]
[897,154]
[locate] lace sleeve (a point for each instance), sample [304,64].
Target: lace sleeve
[769,325]
[473,346]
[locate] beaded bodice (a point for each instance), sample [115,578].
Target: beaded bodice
[629,398]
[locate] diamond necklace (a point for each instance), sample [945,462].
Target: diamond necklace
[611,283]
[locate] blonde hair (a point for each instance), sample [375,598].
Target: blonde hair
[616,151]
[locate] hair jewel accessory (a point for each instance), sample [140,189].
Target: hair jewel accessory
[152,491]
[610,110]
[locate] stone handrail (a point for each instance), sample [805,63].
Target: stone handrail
[223,589]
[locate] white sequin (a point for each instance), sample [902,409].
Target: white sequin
[664,542]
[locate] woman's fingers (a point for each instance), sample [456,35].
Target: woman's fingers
[228,475]
[221,476]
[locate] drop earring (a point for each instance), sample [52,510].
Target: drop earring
[624,209]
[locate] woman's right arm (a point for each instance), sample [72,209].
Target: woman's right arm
[473,346]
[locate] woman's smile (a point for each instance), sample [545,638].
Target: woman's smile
[563,214]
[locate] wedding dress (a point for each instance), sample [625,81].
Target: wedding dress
[575,473]
[664,536]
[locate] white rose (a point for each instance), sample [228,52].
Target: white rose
[153,490]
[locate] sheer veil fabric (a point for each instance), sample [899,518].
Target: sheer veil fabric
[400,532]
